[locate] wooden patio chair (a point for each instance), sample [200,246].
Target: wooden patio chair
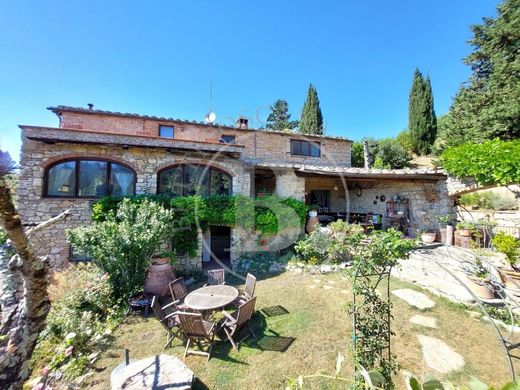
[215,277]
[233,323]
[249,290]
[178,292]
[199,331]
[170,322]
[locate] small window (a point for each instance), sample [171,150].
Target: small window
[305,148]
[227,139]
[76,257]
[166,131]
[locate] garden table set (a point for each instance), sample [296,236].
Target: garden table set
[189,316]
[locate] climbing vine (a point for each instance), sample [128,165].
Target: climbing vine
[266,215]
[373,257]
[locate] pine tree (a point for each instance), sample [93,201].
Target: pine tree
[422,122]
[279,118]
[311,121]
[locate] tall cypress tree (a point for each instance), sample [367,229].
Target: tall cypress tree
[311,121]
[431,118]
[422,122]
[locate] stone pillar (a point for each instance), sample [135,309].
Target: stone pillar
[290,185]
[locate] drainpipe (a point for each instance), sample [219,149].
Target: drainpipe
[366,154]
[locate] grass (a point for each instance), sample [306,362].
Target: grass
[314,330]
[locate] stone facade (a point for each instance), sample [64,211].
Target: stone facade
[133,140]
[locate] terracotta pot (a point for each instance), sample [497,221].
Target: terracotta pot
[480,287]
[311,224]
[428,237]
[465,232]
[160,274]
[510,278]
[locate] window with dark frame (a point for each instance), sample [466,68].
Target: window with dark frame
[166,131]
[88,178]
[227,139]
[189,179]
[77,258]
[305,148]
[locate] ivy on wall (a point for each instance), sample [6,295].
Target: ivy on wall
[267,215]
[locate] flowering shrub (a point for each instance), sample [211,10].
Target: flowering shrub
[124,243]
[82,317]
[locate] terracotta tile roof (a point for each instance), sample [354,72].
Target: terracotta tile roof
[356,172]
[51,134]
[87,111]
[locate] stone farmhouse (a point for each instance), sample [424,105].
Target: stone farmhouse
[92,153]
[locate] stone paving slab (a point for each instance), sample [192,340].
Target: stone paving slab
[414,298]
[439,356]
[429,322]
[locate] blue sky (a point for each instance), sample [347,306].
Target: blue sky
[159,58]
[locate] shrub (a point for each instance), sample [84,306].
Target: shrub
[83,314]
[270,214]
[314,246]
[488,200]
[3,236]
[123,244]
[508,245]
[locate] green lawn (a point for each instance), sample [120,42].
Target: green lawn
[316,319]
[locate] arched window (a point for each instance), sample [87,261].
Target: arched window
[88,178]
[183,180]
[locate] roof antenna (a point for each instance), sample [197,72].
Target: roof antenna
[210,116]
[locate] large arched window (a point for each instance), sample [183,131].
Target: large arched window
[88,178]
[188,179]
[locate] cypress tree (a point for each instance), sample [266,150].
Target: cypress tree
[431,119]
[422,122]
[311,121]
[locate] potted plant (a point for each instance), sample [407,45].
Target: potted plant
[446,228]
[465,229]
[428,236]
[510,246]
[479,282]
[313,210]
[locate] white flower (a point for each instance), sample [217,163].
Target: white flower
[70,336]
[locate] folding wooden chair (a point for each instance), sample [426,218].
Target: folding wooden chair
[249,290]
[233,323]
[215,277]
[178,292]
[170,322]
[199,331]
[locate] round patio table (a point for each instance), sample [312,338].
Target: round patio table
[211,297]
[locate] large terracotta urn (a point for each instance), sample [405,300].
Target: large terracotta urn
[160,274]
[312,221]
[480,287]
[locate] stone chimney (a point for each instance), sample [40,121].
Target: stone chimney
[242,123]
[366,154]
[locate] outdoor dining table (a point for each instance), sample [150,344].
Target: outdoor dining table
[210,298]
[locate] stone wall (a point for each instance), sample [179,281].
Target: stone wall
[145,161]
[427,200]
[259,145]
